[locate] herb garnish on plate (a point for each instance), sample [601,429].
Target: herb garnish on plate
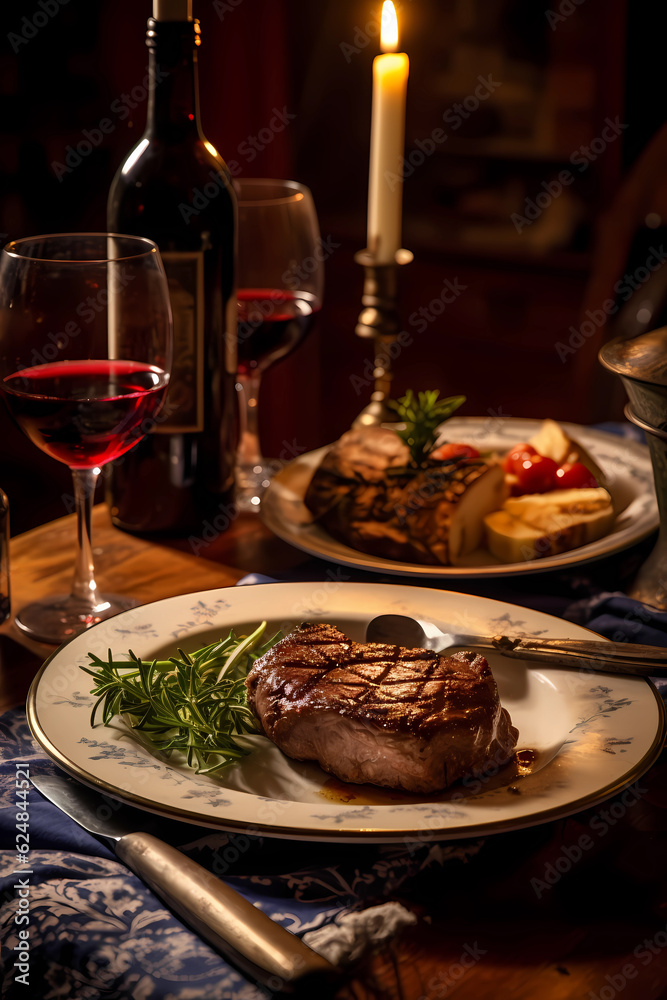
[194,702]
[422,415]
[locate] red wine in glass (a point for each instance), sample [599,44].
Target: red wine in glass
[281,278]
[85,352]
[271,324]
[85,413]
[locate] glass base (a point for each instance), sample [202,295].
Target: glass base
[252,483]
[61,618]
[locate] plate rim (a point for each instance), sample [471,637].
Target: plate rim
[355,559]
[363,834]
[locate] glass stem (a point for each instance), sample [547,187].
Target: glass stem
[250,453]
[84,587]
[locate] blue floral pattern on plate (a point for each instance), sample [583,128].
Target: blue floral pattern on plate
[587,737]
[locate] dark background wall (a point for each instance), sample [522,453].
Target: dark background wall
[563,69]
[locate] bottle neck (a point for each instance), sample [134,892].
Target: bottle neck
[173,99]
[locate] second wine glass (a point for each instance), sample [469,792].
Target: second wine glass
[280,284]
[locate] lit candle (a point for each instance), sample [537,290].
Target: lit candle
[385,184]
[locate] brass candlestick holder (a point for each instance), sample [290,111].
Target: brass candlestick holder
[378,320]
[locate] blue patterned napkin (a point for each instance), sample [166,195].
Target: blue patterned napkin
[96,930]
[619,617]
[622,619]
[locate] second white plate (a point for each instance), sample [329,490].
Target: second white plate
[626,464]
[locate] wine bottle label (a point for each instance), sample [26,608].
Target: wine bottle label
[231,336]
[172,10]
[184,405]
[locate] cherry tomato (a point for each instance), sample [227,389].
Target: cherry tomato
[453,450]
[515,457]
[574,476]
[536,474]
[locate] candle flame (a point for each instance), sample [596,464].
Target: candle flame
[389,30]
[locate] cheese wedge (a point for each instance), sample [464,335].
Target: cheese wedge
[538,508]
[545,524]
[552,442]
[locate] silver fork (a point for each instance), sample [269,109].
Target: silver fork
[586,654]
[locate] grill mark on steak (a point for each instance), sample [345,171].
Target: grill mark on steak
[412,678]
[369,712]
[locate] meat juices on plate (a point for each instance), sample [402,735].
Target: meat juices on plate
[369,712]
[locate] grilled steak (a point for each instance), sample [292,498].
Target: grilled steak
[368,712]
[364,494]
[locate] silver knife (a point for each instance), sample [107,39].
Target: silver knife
[249,938]
[578,654]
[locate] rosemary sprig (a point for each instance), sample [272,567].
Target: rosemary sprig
[194,702]
[422,416]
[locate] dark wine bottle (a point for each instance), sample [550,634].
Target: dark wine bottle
[175,188]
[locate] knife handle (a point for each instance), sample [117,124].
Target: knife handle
[272,955]
[612,658]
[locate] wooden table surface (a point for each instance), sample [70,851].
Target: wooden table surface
[529,917]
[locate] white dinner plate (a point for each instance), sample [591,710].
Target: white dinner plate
[586,735]
[626,464]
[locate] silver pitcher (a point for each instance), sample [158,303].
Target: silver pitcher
[642,365]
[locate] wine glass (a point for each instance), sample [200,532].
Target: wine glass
[280,283]
[85,350]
